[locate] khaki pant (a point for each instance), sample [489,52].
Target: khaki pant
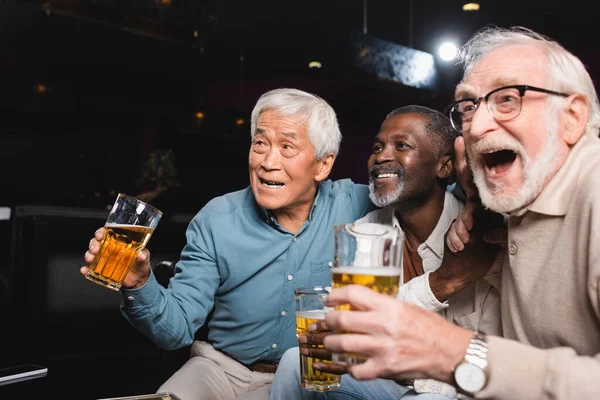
[212,375]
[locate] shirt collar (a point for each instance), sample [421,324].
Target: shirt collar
[555,198]
[435,241]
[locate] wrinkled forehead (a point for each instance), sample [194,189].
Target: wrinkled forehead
[510,65]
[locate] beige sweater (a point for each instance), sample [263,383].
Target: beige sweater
[550,290]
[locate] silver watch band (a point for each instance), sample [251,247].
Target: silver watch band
[477,350]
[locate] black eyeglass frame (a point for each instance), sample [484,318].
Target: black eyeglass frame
[476,101]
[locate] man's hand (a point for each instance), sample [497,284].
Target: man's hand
[311,345]
[139,273]
[475,259]
[401,340]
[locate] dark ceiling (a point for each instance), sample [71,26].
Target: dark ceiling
[139,70]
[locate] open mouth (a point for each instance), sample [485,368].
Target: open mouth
[385,176]
[498,162]
[271,184]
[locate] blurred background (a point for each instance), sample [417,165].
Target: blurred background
[95,95]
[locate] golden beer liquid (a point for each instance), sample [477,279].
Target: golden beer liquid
[383,280]
[311,378]
[118,252]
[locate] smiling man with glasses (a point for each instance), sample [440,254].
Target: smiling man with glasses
[535,156]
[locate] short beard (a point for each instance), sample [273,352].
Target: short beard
[535,173]
[385,199]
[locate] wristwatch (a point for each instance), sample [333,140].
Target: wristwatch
[471,374]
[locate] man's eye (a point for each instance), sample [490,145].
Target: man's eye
[469,107]
[401,145]
[377,149]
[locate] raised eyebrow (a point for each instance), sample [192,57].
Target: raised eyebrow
[463,92]
[290,135]
[259,131]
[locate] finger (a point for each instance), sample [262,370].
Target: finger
[496,236]
[313,339]
[330,368]
[462,233]
[466,216]
[459,150]
[319,326]
[143,256]
[99,234]
[360,297]
[352,343]
[83,270]
[316,352]
[88,257]
[453,241]
[364,371]
[94,246]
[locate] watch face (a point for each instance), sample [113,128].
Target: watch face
[469,377]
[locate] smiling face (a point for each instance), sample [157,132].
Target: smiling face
[513,160]
[283,169]
[402,166]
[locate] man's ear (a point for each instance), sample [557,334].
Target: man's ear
[576,116]
[445,168]
[325,165]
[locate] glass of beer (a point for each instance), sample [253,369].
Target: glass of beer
[310,309]
[370,255]
[128,228]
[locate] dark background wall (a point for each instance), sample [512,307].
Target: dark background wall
[88,88]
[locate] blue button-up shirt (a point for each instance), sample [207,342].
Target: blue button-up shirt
[240,261]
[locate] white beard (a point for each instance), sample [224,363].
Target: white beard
[383,200]
[535,173]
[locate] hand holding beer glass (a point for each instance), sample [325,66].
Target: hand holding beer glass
[127,231]
[309,310]
[370,255]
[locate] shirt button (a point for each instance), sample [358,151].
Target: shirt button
[512,249]
[294,238]
[290,277]
[274,346]
[130,298]
[283,313]
[330,263]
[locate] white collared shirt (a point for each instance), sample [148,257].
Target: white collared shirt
[417,290]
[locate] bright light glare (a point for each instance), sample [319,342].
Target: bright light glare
[314,64]
[471,7]
[448,51]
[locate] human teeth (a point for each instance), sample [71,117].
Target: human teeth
[386,175]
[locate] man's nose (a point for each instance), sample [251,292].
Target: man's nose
[482,123]
[272,159]
[386,154]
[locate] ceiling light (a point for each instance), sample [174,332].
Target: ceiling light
[470,7]
[40,88]
[239,121]
[199,115]
[448,51]
[314,64]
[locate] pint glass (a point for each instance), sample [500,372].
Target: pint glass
[370,255]
[128,228]
[310,309]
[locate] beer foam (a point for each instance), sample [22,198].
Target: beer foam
[126,226]
[375,271]
[312,314]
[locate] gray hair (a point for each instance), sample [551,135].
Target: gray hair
[567,73]
[320,119]
[439,129]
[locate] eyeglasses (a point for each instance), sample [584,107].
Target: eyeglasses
[503,104]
